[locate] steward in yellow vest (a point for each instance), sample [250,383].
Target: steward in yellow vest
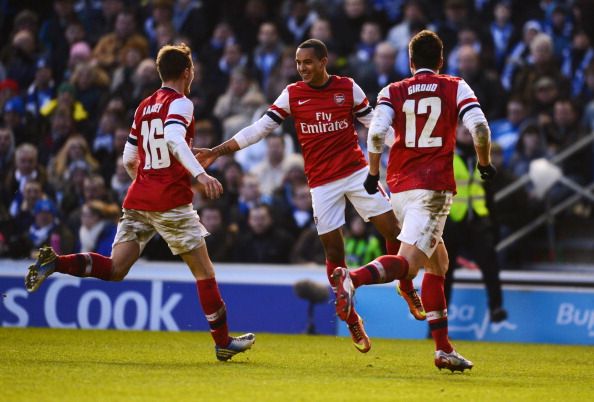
[470,197]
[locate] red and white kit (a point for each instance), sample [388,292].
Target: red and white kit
[325,124]
[424,112]
[162,182]
[160,197]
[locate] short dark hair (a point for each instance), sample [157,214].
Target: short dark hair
[172,60]
[426,49]
[317,45]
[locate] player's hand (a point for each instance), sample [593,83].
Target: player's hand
[487,172]
[371,183]
[212,187]
[205,156]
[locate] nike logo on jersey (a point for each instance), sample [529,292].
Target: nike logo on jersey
[302,102]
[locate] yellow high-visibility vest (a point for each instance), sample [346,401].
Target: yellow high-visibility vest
[470,192]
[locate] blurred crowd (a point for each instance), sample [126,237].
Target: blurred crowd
[73,71]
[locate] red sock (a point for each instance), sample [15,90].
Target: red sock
[383,269]
[434,302]
[393,247]
[214,310]
[330,267]
[85,264]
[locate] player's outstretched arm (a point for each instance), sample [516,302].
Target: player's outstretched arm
[244,138]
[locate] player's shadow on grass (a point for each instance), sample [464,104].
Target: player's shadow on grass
[142,365]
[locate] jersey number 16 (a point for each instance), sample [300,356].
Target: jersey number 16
[156,154]
[425,139]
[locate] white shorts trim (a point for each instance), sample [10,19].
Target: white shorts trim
[180,227]
[329,201]
[423,214]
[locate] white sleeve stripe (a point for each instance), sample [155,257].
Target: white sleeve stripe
[133,136]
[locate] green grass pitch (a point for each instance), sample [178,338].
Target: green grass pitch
[75,365]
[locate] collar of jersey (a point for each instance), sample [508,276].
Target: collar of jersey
[425,71]
[324,85]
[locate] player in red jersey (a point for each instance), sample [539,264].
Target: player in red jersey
[158,157]
[324,109]
[424,111]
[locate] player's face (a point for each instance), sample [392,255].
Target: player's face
[310,68]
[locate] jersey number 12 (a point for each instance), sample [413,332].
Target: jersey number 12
[425,139]
[156,154]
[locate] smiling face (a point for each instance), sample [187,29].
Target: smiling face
[311,69]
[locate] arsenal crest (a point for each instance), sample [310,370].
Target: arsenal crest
[339,99]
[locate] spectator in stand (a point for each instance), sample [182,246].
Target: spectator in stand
[483,82]
[161,13]
[467,36]
[360,245]
[300,214]
[108,48]
[530,146]
[308,248]
[414,16]
[232,177]
[130,57]
[212,51]
[75,149]
[545,93]
[322,30]
[254,14]
[588,99]
[42,89]
[563,131]
[23,212]
[520,54]
[576,60]
[191,19]
[268,52]
[20,122]
[249,197]
[61,127]
[102,21]
[457,14]
[145,80]
[232,58]
[53,38]
[381,73]
[283,74]
[66,100]
[7,145]
[542,63]
[98,227]
[80,52]
[347,24]
[47,230]
[94,188]
[503,32]
[237,105]
[263,242]
[220,241]
[505,132]
[271,171]
[8,89]
[361,59]
[298,21]
[559,27]
[90,84]
[21,58]
[26,167]
[72,195]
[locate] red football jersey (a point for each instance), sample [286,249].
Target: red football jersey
[161,183]
[426,111]
[324,121]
